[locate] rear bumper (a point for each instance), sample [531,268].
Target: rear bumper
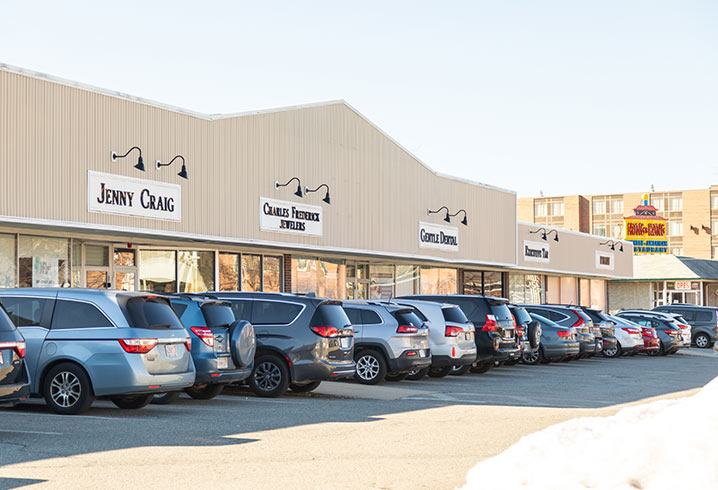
[14,393]
[553,351]
[587,347]
[321,370]
[225,376]
[609,343]
[405,363]
[151,383]
[444,361]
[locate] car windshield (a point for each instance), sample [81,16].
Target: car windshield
[408,317]
[330,315]
[218,315]
[501,311]
[522,316]
[150,312]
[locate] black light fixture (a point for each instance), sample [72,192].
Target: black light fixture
[182,173]
[140,163]
[447,218]
[539,230]
[612,245]
[326,199]
[555,232]
[298,192]
[464,221]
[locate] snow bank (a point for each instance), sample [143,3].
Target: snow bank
[668,444]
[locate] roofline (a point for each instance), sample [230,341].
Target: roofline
[572,232]
[214,117]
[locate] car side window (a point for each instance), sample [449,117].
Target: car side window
[704,316]
[242,309]
[655,324]
[689,315]
[274,312]
[25,312]
[76,314]
[354,315]
[369,317]
[178,307]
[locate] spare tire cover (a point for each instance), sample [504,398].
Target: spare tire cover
[242,343]
[534,334]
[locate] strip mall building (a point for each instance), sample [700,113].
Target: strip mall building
[78,210]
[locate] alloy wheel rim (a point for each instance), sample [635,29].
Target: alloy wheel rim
[367,367]
[701,341]
[533,357]
[267,376]
[65,389]
[611,352]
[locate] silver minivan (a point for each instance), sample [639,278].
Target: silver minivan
[88,343]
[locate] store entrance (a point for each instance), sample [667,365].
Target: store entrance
[685,297]
[103,266]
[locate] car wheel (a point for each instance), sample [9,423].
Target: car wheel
[532,357]
[270,376]
[67,389]
[612,352]
[305,387]
[439,372]
[166,398]
[417,374]
[702,341]
[132,402]
[207,392]
[460,370]
[371,367]
[481,368]
[396,376]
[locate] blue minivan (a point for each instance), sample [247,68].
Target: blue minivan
[88,343]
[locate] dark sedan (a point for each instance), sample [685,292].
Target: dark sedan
[557,343]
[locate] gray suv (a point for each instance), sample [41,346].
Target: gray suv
[87,343]
[391,341]
[702,319]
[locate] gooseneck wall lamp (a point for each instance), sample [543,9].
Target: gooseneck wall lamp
[463,221]
[447,218]
[298,192]
[545,234]
[612,245]
[140,163]
[326,199]
[182,173]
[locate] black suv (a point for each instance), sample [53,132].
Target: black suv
[301,340]
[702,319]
[496,339]
[14,376]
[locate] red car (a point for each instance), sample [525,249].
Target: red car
[651,342]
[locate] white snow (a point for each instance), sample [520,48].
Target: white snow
[668,444]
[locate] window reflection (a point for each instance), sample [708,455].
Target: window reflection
[272,274]
[196,271]
[158,271]
[251,272]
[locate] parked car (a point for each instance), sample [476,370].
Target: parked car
[222,348]
[678,320]
[702,319]
[582,324]
[14,376]
[451,338]
[496,339]
[391,341]
[557,342]
[302,340]
[87,343]
[527,329]
[609,341]
[666,327]
[630,337]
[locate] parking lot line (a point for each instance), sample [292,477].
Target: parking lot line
[31,432]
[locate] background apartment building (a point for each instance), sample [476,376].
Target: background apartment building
[692,216]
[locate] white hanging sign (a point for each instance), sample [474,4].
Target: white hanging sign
[438,237]
[117,194]
[536,252]
[290,217]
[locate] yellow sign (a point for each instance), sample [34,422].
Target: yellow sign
[649,236]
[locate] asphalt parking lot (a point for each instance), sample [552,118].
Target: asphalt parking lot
[344,436]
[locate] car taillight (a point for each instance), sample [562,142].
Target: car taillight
[138,346]
[563,333]
[513,319]
[407,329]
[630,330]
[188,343]
[490,325]
[205,335]
[18,347]
[580,319]
[671,332]
[325,331]
[519,331]
[452,331]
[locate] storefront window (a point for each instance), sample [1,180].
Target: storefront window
[304,275]
[598,294]
[436,280]
[97,255]
[44,262]
[228,272]
[272,274]
[251,272]
[123,257]
[381,281]
[8,265]
[568,291]
[158,271]
[196,271]
[493,283]
[331,279]
[407,280]
[585,292]
[525,288]
[553,290]
[473,282]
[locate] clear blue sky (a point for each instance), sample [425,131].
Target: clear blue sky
[567,97]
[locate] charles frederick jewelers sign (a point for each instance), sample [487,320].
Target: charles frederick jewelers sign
[290,217]
[117,194]
[439,237]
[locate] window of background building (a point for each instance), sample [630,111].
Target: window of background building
[251,273]
[675,203]
[43,262]
[556,209]
[675,228]
[677,251]
[616,230]
[158,271]
[714,253]
[657,202]
[228,271]
[599,230]
[714,227]
[540,209]
[438,280]
[616,206]
[599,207]
[195,271]
[714,201]
[8,264]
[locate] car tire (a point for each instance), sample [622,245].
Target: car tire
[417,374]
[533,357]
[481,368]
[371,367]
[207,392]
[67,389]
[132,402]
[305,387]
[270,376]
[439,372]
[535,334]
[613,353]
[166,398]
[703,341]
[243,345]
[396,376]
[460,370]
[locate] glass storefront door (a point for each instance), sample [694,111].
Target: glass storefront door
[103,266]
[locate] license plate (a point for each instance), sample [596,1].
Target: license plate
[171,350]
[345,342]
[422,353]
[222,363]
[467,336]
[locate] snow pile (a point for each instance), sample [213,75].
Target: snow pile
[668,444]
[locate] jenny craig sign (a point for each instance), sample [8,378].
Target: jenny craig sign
[117,194]
[536,252]
[438,237]
[290,217]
